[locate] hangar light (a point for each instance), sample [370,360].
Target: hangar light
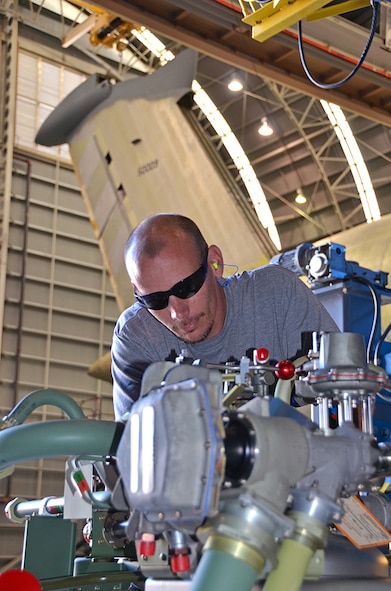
[265,128]
[355,160]
[154,44]
[235,84]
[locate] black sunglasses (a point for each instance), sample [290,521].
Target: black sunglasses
[183,289]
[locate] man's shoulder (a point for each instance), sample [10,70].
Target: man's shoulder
[267,273]
[132,315]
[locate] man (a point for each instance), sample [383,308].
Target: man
[182,303]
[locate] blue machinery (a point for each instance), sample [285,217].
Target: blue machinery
[353,295]
[209,492]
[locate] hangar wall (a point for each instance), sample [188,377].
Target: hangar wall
[59,308]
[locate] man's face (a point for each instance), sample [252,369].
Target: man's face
[193,319]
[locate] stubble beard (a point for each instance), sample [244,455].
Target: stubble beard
[176,330]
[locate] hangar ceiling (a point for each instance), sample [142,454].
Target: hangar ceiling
[215,28]
[303,151]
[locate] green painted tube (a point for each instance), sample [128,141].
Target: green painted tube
[293,558]
[43,397]
[58,438]
[220,571]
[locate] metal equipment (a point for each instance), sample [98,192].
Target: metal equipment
[214,481]
[354,296]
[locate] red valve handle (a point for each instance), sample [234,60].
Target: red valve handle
[262,355]
[285,370]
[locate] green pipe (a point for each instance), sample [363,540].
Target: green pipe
[58,438]
[31,401]
[220,571]
[293,558]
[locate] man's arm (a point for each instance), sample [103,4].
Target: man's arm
[126,383]
[138,340]
[128,363]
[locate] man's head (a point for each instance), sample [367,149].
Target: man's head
[168,259]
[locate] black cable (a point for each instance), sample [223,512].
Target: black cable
[375,15]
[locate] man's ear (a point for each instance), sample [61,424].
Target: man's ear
[215,258]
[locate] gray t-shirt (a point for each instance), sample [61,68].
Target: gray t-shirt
[267,307]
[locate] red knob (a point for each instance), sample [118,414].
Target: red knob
[180,563]
[146,548]
[285,370]
[262,355]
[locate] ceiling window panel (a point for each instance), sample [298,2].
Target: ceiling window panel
[42,85]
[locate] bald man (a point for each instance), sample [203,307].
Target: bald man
[183,303]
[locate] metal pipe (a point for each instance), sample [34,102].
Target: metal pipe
[40,398]
[22,290]
[22,273]
[51,506]
[22,509]
[58,438]
[10,35]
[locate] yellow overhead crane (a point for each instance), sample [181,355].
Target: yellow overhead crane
[269,18]
[104,28]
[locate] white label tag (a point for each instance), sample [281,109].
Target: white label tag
[75,507]
[360,526]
